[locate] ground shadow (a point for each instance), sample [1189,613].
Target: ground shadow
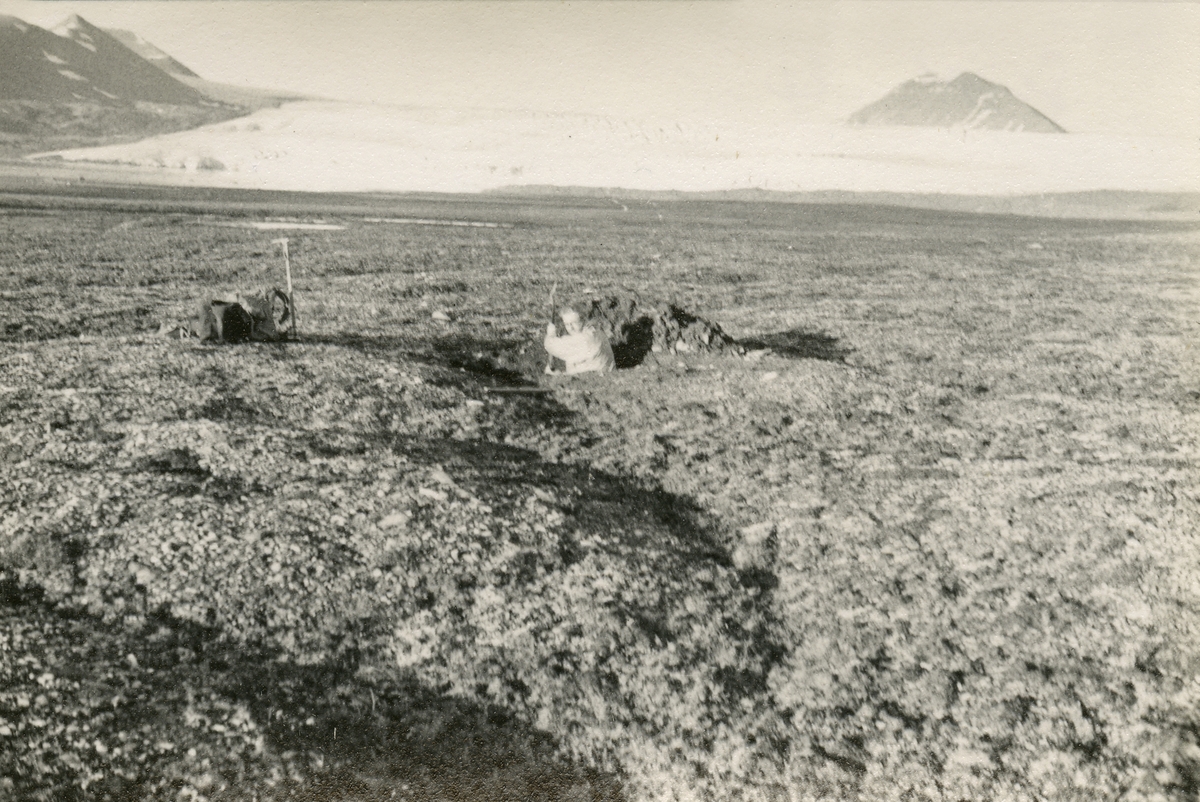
[358,738]
[799,344]
[375,731]
[605,503]
[372,344]
[383,734]
[378,729]
[501,361]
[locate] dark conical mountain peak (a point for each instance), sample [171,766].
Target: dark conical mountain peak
[77,62]
[77,82]
[967,101]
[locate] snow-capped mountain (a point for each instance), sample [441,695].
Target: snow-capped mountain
[968,101]
[80,63]
[78,84]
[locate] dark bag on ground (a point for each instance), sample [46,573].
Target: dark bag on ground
[224,322]
[263,317]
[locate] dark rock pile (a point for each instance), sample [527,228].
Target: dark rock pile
[636,330]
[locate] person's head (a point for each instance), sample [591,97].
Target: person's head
[571,320]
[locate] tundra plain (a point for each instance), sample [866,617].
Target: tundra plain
[940,542]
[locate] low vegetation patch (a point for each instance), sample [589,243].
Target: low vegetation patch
[926,529]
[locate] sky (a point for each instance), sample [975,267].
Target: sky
[1101,66]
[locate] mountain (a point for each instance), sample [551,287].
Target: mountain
[79,63]
[78,85]
[968,101]
[250,98]
[117,70]
[150,53]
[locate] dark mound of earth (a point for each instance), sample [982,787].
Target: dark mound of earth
[636,330]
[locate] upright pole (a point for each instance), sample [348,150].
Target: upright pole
[553,313]
[287,269]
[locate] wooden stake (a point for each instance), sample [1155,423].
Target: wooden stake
[553,317]
[287,269]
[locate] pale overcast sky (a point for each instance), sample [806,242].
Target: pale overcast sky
[1102,66]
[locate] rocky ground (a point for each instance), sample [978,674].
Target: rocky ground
[928,532]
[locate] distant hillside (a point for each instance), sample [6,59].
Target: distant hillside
[150,53]
[966,102]
[249,98]
[1097,205]
[83,65]
[100,67]
[78,85]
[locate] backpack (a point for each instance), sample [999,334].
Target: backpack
[250,317]
[271,321]
[223,322]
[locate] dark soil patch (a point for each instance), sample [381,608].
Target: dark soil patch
[350,736]
[799,344]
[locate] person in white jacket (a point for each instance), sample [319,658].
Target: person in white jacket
[584,350]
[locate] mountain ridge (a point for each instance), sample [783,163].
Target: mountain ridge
[164,61]
[109,68]
[248,97]
[79,85]
[968,101]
